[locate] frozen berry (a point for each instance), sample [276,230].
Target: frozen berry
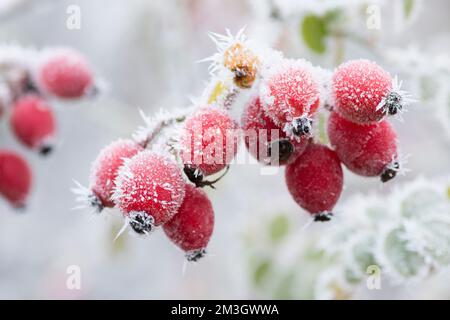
[243,63]
[363,92]
[367,150]
[210,140]
[64,73]
[15,178]
[258,136]
[149,190]
[192,226]
[290,96]
[105,169]
[33,123]
[315,180]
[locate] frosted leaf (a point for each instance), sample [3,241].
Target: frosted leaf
[362,254]
[431,238]
[398,257]
[420,202]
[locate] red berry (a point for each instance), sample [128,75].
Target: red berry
[258,128]
[359,86]
[368,150]
[192,227]
[205,143]
[105,169]
[315,180]
[33,123]
[150,190]
[15,178]
[290,96]
[64,73]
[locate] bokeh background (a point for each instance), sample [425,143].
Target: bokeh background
[146,52]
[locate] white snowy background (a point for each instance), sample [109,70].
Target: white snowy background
[146,51]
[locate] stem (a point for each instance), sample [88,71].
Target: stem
[340,50]
[163,124]
[368,44]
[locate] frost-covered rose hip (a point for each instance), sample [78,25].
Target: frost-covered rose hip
[149,190]
[104,171]
[15,178]
[33,123]
[258,136]
[64,73]
[209,141]
[364,93]
[315,180]
[192,226]
[290,96]
[368,150]
[243,63]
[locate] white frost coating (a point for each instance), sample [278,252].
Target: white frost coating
[82,195]
[404,233]
[147,180]
[86,198]
[105,155]
[161,133]
[12,54]
[406,98]
[72,57]
[323,78]
[16,64]
[223,42]
[123,173]
[310,91]
[265,56]
[429,74]
[400,248]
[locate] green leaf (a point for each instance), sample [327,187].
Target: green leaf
[261,271]
[408,6]
[448,192]
[314,31]
[279,228]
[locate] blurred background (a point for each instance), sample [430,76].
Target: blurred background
[146,52]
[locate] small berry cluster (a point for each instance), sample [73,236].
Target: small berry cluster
[29,80]
[149,189]
[155,179]
[359,96]
[363,94]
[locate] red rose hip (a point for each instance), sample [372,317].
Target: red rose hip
[105,169]
[33,123]
[315,180]
[367,150]
[64,73]
[209,143]
[149,190]
[258,137]
[15,178]
[193,224]
[290,96]
[363,92]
